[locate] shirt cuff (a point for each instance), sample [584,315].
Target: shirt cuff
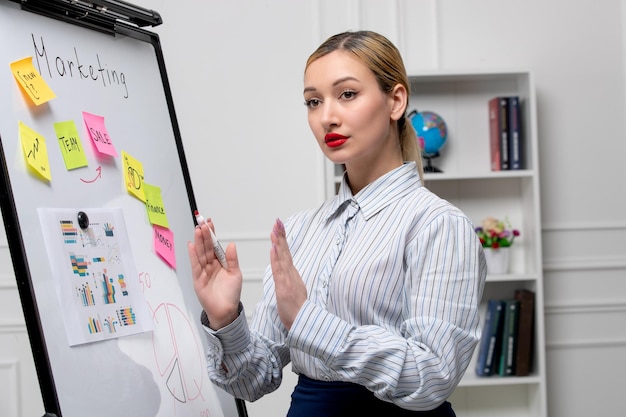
[317,332]
[231,338]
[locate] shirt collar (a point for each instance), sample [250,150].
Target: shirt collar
[379,194]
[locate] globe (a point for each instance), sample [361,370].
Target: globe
[431,131]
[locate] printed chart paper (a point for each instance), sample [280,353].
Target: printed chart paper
[96,280]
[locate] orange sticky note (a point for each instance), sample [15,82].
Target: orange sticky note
[70,145]
[31,81]
[164,244]
[35,151]
[154,205]
[133,176]
[99,134]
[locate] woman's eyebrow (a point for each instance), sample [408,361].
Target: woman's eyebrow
[336,83]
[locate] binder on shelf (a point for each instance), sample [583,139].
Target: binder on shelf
[498,133]
[509,338]
[525,331]
[491,338]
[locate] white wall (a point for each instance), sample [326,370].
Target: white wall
[236,73]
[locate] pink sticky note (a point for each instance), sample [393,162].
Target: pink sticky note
[164,244]
[98,134]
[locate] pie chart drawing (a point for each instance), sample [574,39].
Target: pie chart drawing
[177,352]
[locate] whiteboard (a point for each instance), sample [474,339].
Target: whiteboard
[121,77]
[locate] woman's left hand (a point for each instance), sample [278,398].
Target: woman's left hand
[290,289]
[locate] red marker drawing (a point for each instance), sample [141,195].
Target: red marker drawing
[99,169]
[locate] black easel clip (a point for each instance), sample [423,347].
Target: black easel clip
[83,220]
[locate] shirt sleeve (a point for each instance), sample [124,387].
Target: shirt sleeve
[418,367]
[242,362]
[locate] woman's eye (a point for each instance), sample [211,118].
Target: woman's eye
[348,94]
[312,102]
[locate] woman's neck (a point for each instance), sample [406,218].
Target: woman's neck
[361,176]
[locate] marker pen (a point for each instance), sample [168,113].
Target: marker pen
[217,248]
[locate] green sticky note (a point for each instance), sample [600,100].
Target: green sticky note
[154,205]
[70,145]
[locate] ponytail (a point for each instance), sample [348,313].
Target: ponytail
[408,144]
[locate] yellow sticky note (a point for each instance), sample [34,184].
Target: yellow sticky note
[31,81]
[133,176]
[70,144]
[35,152]
[154,205]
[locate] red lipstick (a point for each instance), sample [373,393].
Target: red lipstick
[335,139]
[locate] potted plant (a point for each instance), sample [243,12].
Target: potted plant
[496,237]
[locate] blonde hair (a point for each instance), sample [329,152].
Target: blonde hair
[382,57]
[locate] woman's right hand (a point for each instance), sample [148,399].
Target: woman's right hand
[218,289]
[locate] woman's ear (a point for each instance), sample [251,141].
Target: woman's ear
[399,100]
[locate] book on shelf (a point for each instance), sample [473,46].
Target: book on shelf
[498,133]
[525,331]
[491,338]
[506,343]
[509,338]
[505,133]
[515,134]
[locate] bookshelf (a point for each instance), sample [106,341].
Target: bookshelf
[461,99]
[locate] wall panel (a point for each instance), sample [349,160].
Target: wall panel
[586,381]
[9,396]
[585,307]
[20,395]
[337,16]
[418,41]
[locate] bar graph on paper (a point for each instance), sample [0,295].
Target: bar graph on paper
[94,275]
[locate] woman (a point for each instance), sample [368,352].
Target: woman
[372,296]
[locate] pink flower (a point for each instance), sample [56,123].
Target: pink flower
[494,233]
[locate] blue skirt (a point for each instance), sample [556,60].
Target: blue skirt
[313,398]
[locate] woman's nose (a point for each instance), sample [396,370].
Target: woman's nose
[330,115]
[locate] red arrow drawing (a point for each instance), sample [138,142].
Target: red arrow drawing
[99,169]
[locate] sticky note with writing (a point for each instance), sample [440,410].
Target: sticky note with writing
[133,176]
[31,81]
[154,205]
[70,145]
[35,151]
[99,134]
[164,244]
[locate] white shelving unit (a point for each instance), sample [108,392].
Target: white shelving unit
[467,181]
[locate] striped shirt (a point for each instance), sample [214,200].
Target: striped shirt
[394,276]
